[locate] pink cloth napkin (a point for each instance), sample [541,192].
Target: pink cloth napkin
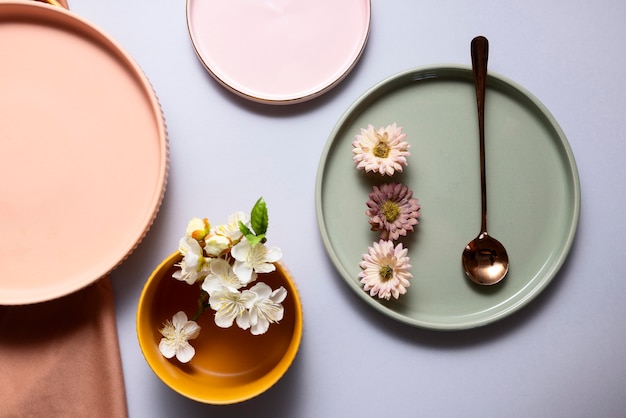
[61,358]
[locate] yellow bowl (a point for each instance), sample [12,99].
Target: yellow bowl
[231,365]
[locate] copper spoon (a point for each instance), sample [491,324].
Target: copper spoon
[484,259]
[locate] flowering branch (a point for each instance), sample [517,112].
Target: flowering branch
[226,260]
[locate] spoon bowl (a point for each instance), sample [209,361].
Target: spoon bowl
[485,259]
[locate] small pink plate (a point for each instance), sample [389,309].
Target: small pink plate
[279,51]
[83,153]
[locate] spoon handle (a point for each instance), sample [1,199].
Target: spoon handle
[480,54]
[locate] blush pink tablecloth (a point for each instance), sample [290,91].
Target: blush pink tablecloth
[61,358]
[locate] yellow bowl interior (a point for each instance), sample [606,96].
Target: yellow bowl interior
[231,365]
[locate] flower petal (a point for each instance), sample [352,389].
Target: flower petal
[167,348]
[190,330]
[241,250]
[179,320]
[273,254]
[264,268]
[185,353]
[262,290]
[243,320]
[224,318]
[244,272]
[279,295]
[260,327]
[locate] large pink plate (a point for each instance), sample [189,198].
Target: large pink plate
[83,153]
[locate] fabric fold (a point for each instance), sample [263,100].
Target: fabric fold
[61,358]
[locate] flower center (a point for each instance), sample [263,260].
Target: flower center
[385,272]
[174,336]
[382,149]
[390,210]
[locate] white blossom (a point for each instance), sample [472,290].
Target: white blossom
[266,308]
[176,335]
[221,276]
[194,266]
[250,260]
[232,306]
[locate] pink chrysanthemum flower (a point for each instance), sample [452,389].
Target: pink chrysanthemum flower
[381,151]
[392,210]
[385,270]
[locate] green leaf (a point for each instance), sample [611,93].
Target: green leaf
[244,229]
[258,217]
[255,239]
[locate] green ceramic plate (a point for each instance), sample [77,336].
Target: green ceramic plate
[532,182]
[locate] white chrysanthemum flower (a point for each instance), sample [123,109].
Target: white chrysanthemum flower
[232,306]
[176,335]
[194,266]
[267,308]
[385,270]
[250,260]
[381,151]
[221,276]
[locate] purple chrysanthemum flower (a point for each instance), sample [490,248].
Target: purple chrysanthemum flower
[392,210]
